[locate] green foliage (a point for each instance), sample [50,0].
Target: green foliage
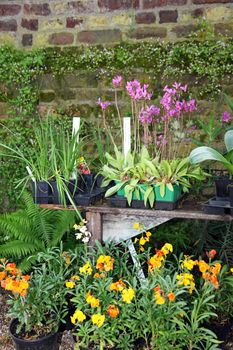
[33,230]
[45,305]
[204,153]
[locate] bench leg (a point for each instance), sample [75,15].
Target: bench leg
[95,226]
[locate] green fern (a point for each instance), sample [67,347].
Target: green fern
[33,230]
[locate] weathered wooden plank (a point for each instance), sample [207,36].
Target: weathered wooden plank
[94,225]
[121,227]
[179,213]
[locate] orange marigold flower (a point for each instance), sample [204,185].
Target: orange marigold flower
[203,266]
[2,275]
[117,286]
[171,296]
[216,268]
[113,311]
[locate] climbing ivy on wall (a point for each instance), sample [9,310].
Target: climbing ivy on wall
[209,63]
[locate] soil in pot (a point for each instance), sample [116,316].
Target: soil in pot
[44,342]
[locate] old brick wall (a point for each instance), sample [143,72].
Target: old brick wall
[39,23]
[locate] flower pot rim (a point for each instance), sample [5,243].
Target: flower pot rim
[22,340]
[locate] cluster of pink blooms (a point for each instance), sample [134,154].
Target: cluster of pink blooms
[172,106]
[226,117]
[147,114]
[117,81]
[102,104]
[137,91]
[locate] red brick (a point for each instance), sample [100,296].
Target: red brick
[100,36]
[150,4]
[37,9]
[9,10]
[145,17]
[112,5]
[81,7]
[212,1]
[61,39]
[31,24]
[27,39]
[198,12]
[148,32]
[72,22]
[8,26]
[168,16]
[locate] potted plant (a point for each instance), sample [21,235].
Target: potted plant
[50,164]
[203,153]
[128,173]
[38,302]
[168,180]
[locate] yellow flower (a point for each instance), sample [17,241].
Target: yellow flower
[73,319]
[188,263]
[70,284]
[128,295]
[86,269]
[231,269]
[167,248]
[98,319]
[142,249]
[81,160]
[105,263]
[136,226]
[186,279]
[79,315]
[148,234]
[142,241]
[159,299]
[76,227]
[94,302]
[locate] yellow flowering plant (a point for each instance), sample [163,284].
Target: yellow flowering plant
[103,302]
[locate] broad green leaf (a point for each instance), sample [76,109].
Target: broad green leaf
[228,139]
[202,154]
[114,189]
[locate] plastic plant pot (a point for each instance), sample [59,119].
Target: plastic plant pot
[222,186]
[170,196]
[48,342]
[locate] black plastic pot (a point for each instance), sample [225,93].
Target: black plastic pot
[87,182]
[222,185]
[40,192]
[231,195]
[49,342]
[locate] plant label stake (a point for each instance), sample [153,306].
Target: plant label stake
[75,130]
[136,261]
[127,135]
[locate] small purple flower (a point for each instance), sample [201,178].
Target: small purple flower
[226,117]
[138,92]
[103,105]
[192,105]
[154,110]
[145,116]
[117,81]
